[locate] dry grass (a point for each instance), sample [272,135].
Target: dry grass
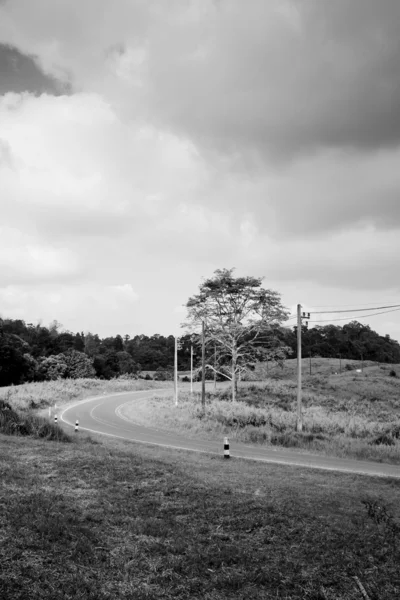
[101,519]
[348,414]
[351,414]
[46,393]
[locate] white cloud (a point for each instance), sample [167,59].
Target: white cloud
[198,137]
[24,259]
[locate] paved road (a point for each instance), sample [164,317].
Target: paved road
[104,415]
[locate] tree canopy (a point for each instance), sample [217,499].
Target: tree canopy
[240,319]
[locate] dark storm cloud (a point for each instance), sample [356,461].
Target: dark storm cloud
[284,78]
[19,73]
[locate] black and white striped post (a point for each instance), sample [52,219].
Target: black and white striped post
[76,425]
[55,419]
[226,448]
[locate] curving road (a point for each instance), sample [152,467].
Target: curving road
[105,415]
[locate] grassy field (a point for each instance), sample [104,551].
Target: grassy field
[102,519]
[39,395]
[348,414]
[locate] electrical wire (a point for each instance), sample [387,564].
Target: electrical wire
[341,305]
[325,312]
[349,318]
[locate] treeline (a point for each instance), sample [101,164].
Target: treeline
[353,341]
[36,353]
[31,352]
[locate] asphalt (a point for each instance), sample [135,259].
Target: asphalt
[106,415]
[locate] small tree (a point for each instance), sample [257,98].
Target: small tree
[78,365]
[241,321]
[51,368]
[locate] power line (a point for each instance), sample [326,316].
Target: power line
[348,318]
[341,305]
[325,312]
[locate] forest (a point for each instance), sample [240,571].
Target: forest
[33,352]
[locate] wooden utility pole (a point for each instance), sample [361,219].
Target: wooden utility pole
[203,369]
[299,425]
[191,368]
[215,367]
[176,370]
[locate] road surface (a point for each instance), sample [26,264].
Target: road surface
[105,415]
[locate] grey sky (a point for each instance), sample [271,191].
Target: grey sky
[147,143]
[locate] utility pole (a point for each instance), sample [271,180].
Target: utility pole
[191,368]
[299,425]
[176,370]
[215,366]
[203,368]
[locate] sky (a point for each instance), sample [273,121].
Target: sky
[145,144]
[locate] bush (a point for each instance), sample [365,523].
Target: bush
[148,377]
[393,373]
[384,439]
[185,378]
[14,423]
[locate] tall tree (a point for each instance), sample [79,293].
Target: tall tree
[241,319]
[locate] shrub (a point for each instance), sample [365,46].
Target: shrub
[14,423]
[393,373]
[383,439]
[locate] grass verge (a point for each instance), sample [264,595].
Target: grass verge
[97,519]
[266,414]
[43,394]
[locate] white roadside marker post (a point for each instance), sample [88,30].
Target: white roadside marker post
[76,425]
[226,447]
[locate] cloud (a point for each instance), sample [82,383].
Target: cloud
[24,259]
[196,136]
[365,259]
[70,165]
[87,304]
[20,73]
[281,79]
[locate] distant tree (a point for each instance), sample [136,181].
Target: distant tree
[118,343]
[31,368]
[54,328]
[78,365]
[240,319]
[79,343]
[63,342]
[14,364]
[126,364]
[107,364]
[163,374]
[51,368]
[92,344]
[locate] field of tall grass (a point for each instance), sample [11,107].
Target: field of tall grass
[346,414]
[350,414]
[40,395]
